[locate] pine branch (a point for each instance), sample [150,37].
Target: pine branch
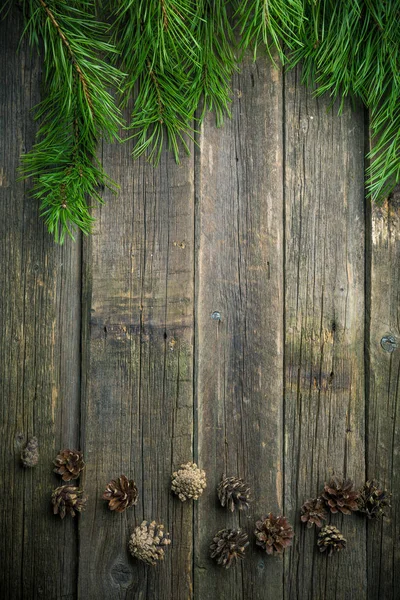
[76,111]
[212,72]
[276,24]
[179,57]
[347,48]
[158,47]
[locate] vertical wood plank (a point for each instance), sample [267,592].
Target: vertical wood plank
[383,462]
[138,389]
[324,284]
[39,351]
[239,332]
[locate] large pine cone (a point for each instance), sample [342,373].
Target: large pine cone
[147,542]
[188,482]
[330,539]
[339,495]
[233,493]
[373,500]
[228,546]
[274,534]
[69,463]
[313,512]
[68,500]
[121,493]
[30,454]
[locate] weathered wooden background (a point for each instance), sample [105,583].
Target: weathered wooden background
[228,310]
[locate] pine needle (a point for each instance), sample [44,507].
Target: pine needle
[179,57]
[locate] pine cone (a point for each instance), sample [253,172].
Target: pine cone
[228,546]
[313,512]
[68,499]
[274,534]
[121,494]
[189,482]
[233,492]
[30,454]
[339,495]
[147,541]
[373,500]
[69,463]
[330,538]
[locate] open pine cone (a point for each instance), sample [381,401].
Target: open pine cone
[68,500]
[30,454]
[188,482]
[373,500]
[330,539]
[339,496]
[313,512]
[233,493]
[69,464]
[121,493]
[274,534]
[228,546]
[147,542]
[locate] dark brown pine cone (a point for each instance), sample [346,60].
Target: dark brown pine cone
[313,512]
[330,539]
[68,500]
[229,546]
[30,454]
[373,500]
[121,493]
[147,542]
[339,495]
[69,464]
[233,493]
[274,534]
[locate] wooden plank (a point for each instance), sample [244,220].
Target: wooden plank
[324,285]
[239,354]
[39,351]
[383,425]
[138,389]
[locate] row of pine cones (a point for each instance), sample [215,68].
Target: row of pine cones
[273,533]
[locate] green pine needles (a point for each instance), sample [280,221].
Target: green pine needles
[177,58]
[77,110]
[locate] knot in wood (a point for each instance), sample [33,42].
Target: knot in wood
[389,343]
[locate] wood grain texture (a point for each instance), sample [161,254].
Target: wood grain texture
[138,364]
[239,359]
[324,349]
[230,309]
[383,461]
[39,351]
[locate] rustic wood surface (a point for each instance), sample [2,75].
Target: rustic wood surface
[240,310]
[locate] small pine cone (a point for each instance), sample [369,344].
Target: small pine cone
[373,500]
[229,546]
[273,534]
[313,512]
[233,492]
[69,464]
[68,499]
[121,493]
[330,539]
[339,495]
[147,542]
[30,454]
[189,482]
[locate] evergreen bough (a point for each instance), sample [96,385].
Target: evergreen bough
[175,58]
